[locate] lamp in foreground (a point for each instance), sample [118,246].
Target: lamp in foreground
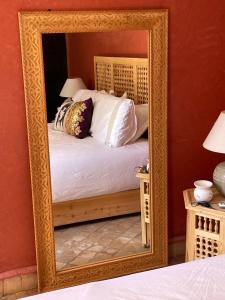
[71,86]
[215,142]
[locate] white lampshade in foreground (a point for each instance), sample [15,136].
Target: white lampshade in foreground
[71,86]
[215,140]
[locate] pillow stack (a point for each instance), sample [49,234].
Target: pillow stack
[110,120]
[113,122]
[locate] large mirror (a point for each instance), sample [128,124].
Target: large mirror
[95,188]
[96,115]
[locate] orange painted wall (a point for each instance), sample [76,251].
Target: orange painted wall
[82,47]
[196,96]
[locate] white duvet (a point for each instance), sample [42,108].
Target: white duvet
[197,280]
[86,168]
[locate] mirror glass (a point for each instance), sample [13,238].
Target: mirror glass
[97,143]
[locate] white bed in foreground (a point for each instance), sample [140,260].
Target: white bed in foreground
[197,280]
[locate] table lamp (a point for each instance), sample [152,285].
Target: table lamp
[215,142]
[71,86]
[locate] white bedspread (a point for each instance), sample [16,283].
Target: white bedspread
[203,279]
[86,168]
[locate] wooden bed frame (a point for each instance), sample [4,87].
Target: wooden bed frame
[119,74]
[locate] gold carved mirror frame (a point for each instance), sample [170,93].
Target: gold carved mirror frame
[32,26]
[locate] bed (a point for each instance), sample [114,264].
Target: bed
[79,169]
[105,198]
[201,279]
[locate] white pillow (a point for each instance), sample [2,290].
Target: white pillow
[113,122]
[141,111]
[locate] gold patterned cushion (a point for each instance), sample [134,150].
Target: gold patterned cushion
[78,118]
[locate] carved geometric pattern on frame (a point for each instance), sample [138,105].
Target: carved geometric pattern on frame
[135,265]
[157,96]
[206,247]
[38,141]
[32,24]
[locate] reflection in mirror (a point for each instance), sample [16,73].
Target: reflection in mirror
[98,137]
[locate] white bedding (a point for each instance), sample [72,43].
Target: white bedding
[86,168]
[197,280]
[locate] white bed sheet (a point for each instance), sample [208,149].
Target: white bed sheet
[86,168]
[197,280]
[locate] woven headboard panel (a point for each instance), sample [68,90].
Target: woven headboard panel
[123,74]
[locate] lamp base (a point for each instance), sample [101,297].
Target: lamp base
[219,177]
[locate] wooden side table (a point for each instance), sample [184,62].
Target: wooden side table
[205,234]
[145,208]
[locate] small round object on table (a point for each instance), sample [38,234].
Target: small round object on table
[202,191]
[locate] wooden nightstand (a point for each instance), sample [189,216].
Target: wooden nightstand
[145,208]
[205,233]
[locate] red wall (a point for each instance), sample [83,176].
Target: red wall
[196,96]
[82,47]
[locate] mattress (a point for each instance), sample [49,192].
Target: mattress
[197,280]
[86,168]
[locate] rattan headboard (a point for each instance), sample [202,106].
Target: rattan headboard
[123,74]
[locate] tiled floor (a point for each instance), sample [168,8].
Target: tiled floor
[27,285]
[99,240]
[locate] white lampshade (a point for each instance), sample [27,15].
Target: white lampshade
[215,140]
[71,86]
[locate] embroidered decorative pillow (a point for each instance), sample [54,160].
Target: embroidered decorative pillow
[60,116]
[78,118]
